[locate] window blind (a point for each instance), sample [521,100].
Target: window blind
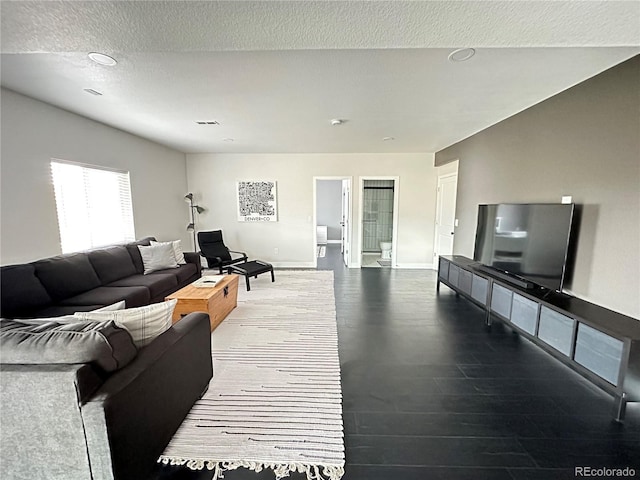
[93,204]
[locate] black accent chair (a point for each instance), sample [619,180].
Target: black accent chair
[212,248]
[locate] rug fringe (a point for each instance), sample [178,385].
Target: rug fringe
[313,472]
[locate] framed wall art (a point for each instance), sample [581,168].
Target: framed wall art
[257,201]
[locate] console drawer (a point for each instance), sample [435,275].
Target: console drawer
[501,301]
[479,289]
[556,330]
[524,313]
[443,269]
[454,275]
[599,352]
[465,281]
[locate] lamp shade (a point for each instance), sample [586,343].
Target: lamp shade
[189,197]
[198,208]
[191,227]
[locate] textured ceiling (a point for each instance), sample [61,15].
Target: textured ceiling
[274,74]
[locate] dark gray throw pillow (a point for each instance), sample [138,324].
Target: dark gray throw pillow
[56,341]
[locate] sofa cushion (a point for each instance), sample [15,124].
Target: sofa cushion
[21,291]
[133,296]
[157,283]
[132,248]
[52,341]
[183,274]
[143,323]
[67,275]
[60,310]
[112,263]
[121,305]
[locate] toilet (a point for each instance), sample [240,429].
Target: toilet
[386,250]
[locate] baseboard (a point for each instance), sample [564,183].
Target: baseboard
[285,265]
[415,266]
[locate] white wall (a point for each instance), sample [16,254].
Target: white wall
[213,178]
[34,132]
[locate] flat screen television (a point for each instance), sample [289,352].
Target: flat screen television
[526,241]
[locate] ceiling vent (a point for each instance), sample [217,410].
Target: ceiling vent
[209,122]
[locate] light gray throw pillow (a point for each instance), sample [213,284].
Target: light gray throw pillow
[143,323]
[177,251]
[157,257]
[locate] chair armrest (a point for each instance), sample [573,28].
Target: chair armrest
[242,255]
[193,257]
[139,408]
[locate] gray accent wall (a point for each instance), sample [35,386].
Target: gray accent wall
[329,207]
[583,142]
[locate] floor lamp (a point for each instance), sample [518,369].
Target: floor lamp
[192,226]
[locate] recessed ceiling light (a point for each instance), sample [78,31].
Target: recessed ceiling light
[461,55]
[387,139]
[92,91]
[207,122]
[336,121]
[227,139]
[102,59]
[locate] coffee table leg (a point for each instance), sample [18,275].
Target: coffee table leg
[247,279]
[273,279]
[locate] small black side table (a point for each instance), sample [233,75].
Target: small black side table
[251,269]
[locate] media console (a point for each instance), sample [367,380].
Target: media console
[600,344]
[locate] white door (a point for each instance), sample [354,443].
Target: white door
[346,208]
[445,215]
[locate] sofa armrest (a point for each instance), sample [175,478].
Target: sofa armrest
[42,434]
[132,417]
[193,257]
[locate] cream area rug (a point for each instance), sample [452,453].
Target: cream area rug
[275,400]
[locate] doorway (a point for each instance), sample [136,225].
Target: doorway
[378,220]
[332,217]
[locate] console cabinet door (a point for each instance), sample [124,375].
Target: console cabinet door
[556,330]
[479,289]
[443,269]
[465,281]
[599,352]
[524,313]
[501,300]
[454,275]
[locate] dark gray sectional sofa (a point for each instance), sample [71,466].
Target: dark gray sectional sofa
[63,419]
[85,281]
[75,421]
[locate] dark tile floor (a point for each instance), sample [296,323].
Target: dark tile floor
[431,393]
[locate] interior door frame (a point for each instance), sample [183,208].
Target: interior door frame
[394,235]
[441,178]
[348,231]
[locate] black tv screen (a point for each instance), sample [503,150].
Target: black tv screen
[530,241]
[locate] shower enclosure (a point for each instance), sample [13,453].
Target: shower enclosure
[377,215]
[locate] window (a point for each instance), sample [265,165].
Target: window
[94,206]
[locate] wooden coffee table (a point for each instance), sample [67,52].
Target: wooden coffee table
[217,301]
